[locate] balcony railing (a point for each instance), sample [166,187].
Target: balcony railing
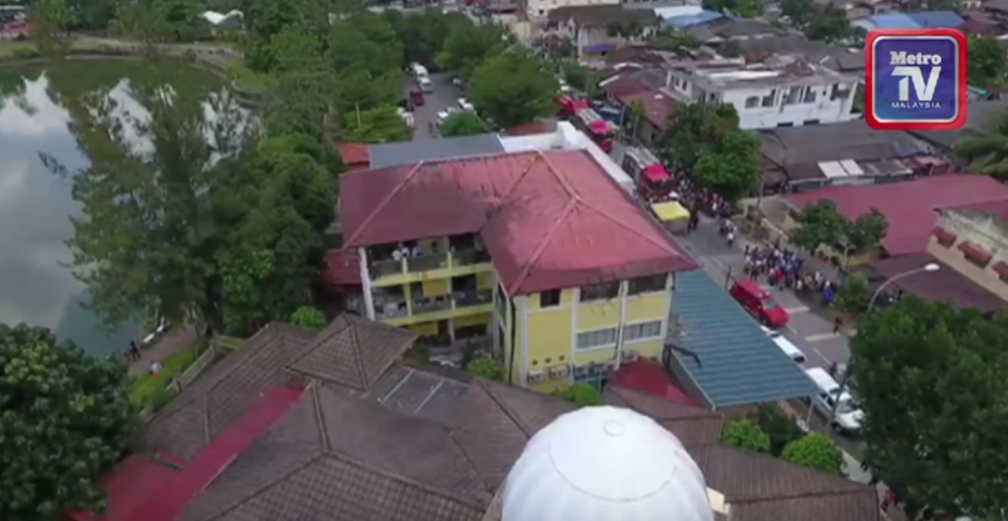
[389,308]
[473,298]
[430,305]
[467,257]
[384,268]
[426,263]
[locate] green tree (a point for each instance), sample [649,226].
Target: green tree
[801,12]
[746,435]
[49,20]
[988,63]
[581,394]
[821,224]
[986,149]
[732,170]
[65,419]
[778,426]
[694,130]
[485,367]
[853,296]
[463,123]
[944,5]
[671,40]
[469,45]
[931,382]
[513,89]
[309,318]
[379,125]
[829,26]
[740,8]
[424,32]
[815,451]
[296,48]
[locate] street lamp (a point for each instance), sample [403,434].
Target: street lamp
[927,268]
[930,267]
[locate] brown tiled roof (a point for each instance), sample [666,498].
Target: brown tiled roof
[693,426]
[542,216]
[944,285]
[350,352]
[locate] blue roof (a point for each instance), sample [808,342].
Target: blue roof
[736,363]
[692,19]
[892,21]
[937,19]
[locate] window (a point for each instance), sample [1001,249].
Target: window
[810,95]
[769,99]
[642,331]
[651,284]
[786,124]
[752,102]
[549,299]
[839,93]
[604,291]
[597,338]
[810,122]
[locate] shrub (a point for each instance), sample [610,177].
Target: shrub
[581,394]
[309,318]
[815,451]
[746,435]
[776,423]
[484,367]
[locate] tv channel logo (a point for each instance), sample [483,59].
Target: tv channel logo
[915,79]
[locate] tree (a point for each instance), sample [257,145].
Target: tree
[671,40]
[815,451]
[379,125]
[986,149]
[309,318]
[694,130]
[732,170]
[425,32]
[853,296]
[469,45]
[779,427]
[944,5]
[65,419]
[463,123]
[801,12]
[581,394]
[829,26]
[49,20]
[821,224]
[988,63]
[513,89]
[740,8]
[485,367]
[746,435]
[931,382]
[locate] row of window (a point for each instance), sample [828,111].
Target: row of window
[607,290]
[607,337]
[795,96]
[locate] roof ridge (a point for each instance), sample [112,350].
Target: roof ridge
[505,409]
[256,493]
[804,495]
[564,182]
[355,347]
[791,467]
[514,186]
[323,431]
[350,460]
[543,243]
[635,231]
[385,201]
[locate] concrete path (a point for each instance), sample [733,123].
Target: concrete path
[172,342]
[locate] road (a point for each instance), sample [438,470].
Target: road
[443,96]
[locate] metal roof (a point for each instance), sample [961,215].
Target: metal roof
[736,363]
[406,152]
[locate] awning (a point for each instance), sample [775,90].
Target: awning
[670,211]
[656,174]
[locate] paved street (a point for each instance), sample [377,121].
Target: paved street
[444,95]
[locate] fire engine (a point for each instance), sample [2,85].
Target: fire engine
[598,129]
[653,181]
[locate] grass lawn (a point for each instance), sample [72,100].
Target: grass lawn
[11,48]
[248,79]
[152,391]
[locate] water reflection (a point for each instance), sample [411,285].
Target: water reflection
[35,206]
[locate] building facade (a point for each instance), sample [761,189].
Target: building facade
[973,240]
[541,255]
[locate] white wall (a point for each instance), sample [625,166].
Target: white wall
[822,109]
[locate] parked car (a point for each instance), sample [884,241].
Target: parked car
[465,105]
[759,303]
[416,98]
[844,417]
[792,351]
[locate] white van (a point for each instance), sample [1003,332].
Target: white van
[425,84]
[848,415]
[418,70]
[786,346]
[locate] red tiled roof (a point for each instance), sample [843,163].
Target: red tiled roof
[908,207]
[649,377]
[342,268]
[624,85]
[126,487]
[170,501]
[975,253]
[529,129]
[354,153]
[549,220]
[998,209]
[1001,268]
[945,237]
[658,107]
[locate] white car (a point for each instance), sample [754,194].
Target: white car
[785,345]
[465,105]
[444,114]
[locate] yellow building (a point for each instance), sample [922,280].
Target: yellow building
[542,252]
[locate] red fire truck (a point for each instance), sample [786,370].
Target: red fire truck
[653,182]
[569,105]
[598,129]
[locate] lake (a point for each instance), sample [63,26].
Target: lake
[35,204]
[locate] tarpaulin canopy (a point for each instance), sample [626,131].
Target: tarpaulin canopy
[671,211]
[656,174]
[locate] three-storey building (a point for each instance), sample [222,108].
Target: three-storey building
[542,252]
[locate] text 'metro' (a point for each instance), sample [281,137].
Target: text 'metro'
[915,79]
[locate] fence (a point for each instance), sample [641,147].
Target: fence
[197,367]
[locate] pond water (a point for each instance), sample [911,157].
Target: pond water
[35,205]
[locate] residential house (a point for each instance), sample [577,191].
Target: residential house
[302,426]
[731,29]
[980,112]
[596,30]
[920,20]
[540,249]
[628,91]
[973,240]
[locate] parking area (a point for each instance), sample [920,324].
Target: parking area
[442,96]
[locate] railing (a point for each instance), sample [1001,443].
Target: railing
[390,309]
[426,263]
[465,258]
[473,298]
[197,367]
[383,268]
[430,305]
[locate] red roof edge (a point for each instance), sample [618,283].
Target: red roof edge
[354,153]
[975,254]
[342,268]
[1001,268]
[945,237]
[649,377]
[126,487]
[169,502]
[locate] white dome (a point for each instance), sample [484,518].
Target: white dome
[605,464]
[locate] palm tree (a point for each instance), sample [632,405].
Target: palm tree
[986,150]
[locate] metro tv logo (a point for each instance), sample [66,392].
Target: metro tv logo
[915,79]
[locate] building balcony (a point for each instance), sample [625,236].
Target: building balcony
[430,305]
[426,263]
[403,271]
[387,309]
[384,268]
[470,257]
[473,298]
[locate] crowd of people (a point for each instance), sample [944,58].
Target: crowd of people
[783,269]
